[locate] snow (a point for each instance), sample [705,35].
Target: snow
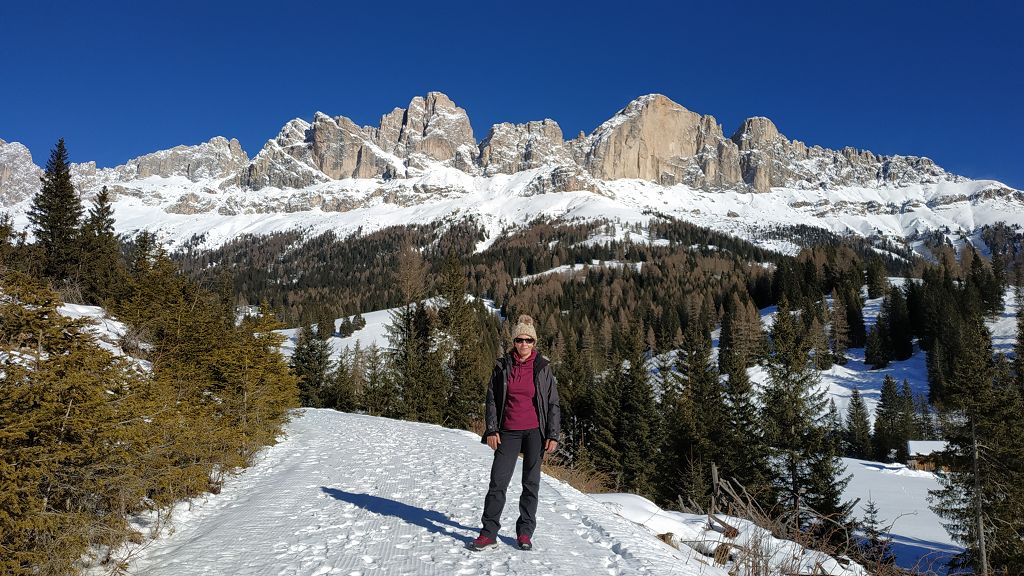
[500,202]
[918,538]
[353,494]
[925,447]
[350,494]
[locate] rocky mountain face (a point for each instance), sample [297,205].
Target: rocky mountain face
[19,176]
[655,139]
[652,138]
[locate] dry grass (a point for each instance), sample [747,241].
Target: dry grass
[583,478]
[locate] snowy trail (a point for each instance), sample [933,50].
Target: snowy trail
[354,495]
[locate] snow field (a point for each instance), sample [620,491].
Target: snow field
[360,496]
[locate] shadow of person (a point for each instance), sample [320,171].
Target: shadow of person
[431,520]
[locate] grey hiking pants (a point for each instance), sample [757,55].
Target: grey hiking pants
[513,442]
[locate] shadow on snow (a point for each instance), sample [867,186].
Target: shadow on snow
[431,520]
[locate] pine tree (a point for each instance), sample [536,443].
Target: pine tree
[1018,344]
[705,420]
[55,215]
[924,420]
[606,399]
[341,393]
[877,282]
[876,548]
[980,497]
[461,349]
[311,363]
[325,324]
[812,314]
[103,274]
[876,354]
[857,433]
[638,429]
[794,416]
[826,480]
[891,435]
[907,418]
[670,468]
[380,395]
[69,442]
[839,331]
[404,351]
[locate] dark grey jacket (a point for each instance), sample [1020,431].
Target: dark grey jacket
[545,400]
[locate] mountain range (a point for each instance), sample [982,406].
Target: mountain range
[422,163]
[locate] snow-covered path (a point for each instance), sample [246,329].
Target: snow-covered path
[355,495]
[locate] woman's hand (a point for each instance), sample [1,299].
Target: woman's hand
[493,440]
[551,445]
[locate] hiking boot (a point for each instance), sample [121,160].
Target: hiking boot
[524,542]
[482,542]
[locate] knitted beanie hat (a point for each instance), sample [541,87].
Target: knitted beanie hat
[524,327]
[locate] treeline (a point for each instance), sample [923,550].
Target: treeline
[90,436]
[440,352]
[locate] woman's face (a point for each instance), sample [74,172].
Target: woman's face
[524,345]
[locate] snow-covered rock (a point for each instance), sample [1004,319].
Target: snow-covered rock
[19,176]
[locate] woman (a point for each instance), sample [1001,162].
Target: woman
[522,417]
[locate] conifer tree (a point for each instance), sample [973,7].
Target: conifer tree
[876,548]
[325,324]
[255,384]
[404,351]
[704,416]
[876,279]
[1018,344]
[70,437]
[907,417]
[818,343]
[674,412]
[898,337]
[980,497]
[638,430]
[341,393]
[857,433]
[890,436]
[312,364]
[795,417]
[102,273]
[607,421]
[826,479]
[380,395]
[461,349]
[924,420]
[745,455]
[55,215]
[876,355]
[839,330]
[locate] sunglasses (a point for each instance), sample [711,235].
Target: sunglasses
[522,340]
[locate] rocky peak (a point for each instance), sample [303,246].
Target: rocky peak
[756,133]
[217,159]
[431,128]
[19,176]
[343,149]
[654,138]
[510,148]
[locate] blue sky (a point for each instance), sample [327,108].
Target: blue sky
[121,79]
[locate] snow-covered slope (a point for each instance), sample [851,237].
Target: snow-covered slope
[178,208]
[349,494]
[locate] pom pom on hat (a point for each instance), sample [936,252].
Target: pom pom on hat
[525,327]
